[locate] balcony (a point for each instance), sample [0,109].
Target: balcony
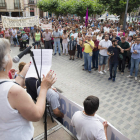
[31,2]
[17,6]
[3,5]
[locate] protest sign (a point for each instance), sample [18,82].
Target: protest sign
[69,107]
[46,26]
[10,22]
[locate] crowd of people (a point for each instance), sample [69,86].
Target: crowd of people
[92,42]
[99,43]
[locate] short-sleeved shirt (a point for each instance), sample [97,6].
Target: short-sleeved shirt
[87,47]
[56,34]
[105,44]
[88,127]
[124,45]
[115,57]
[52,99]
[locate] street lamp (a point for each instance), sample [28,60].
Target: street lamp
[125,16]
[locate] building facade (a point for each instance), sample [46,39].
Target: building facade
[19,8]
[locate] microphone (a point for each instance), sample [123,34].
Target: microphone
[17,58]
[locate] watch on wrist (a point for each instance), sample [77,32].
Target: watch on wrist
[21,76]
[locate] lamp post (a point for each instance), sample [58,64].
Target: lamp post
[19,7]
[125,16]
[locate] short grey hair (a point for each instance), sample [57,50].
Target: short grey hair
[4,46]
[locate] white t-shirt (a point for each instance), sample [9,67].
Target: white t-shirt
[88,127]
[99,38]
[105,44]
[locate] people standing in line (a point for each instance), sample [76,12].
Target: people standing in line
[122,56]
[57,36]
[113,52]
[72,47]
[95,53]
[88,47]
[47,39]
[103,56]
[65,42]
[79,48]
[14,34]
[135,58]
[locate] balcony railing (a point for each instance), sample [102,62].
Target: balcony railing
[3,5]
[31,2]
[17,5]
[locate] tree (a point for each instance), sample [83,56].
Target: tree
[48,5]
[118,6]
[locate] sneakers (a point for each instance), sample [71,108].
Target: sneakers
[54,53]
[129,76]
[100,72]
[113,79]
[136,78]
[104,71]
[59,54]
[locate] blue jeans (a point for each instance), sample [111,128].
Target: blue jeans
[102,60]
[134,64]
[79,51]
[113,67]
[87,61]
[16,41]
[57,43]
[95,59]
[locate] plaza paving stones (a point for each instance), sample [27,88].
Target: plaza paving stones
[119,101]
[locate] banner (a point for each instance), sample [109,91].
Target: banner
[69,107]
[10,22]
[46,26]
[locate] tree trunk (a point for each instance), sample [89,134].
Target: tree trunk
[122,18]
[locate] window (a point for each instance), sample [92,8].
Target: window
[31,1]
[2,1]
[17,3]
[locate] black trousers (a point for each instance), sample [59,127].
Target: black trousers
[61,43]
[122,64]
[48,45]
[22,44]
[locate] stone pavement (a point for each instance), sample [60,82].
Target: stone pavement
[119,101]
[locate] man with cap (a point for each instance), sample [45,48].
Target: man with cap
[24,39]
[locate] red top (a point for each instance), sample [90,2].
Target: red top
[1,34]
[27,30]
[96,43]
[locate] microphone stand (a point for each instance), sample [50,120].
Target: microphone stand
[47,104]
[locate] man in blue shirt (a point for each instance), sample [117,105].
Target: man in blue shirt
[135,57]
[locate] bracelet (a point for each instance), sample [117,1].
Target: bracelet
[21,76]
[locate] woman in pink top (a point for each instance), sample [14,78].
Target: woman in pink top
[7,34]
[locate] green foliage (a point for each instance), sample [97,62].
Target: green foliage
[118,6]
[63,7]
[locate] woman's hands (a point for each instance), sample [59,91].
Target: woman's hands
[48,80]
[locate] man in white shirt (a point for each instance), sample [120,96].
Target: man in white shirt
[87,125]
[103,56]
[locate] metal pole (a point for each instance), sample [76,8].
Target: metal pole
[19,7]
[125,16]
